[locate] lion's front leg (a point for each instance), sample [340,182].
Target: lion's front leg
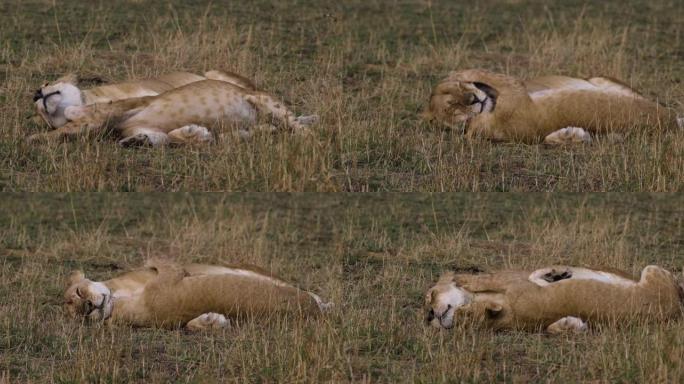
[207,321]
[480,283]
[67,131]
[484,127]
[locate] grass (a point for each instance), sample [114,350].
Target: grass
[374,256]
[366,67]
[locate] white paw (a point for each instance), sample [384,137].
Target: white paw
[209,320]
[568,324]
[568,135]
[191,133]
[307,120]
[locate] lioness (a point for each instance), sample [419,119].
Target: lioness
[556,109]
[194,296]
[52,98]
[186,114]
[558,298]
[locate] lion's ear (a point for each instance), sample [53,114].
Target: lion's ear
[493,310]
[75,277]
[486,88]
[448,87]
[69,78]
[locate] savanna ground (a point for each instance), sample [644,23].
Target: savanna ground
[365,66]
[374,256]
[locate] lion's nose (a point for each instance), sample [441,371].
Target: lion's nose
[38,95]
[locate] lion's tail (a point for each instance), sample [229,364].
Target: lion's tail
[322,305]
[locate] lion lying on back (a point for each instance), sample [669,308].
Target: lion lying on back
[188,112]
[557,299]
[194,296]
[556,109]
[52,98]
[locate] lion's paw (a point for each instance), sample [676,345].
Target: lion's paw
[308,120]
[191,133]
[568,135]
[568,324]
[207,321]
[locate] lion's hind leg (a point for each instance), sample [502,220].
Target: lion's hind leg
[268,105]
[568,135]
[232,78]
[568,324]
[207,321]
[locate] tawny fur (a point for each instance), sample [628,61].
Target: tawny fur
[54,116]
[210,104]
[529,111]
[170,295]
[509,300]
[128,283]
[174,298]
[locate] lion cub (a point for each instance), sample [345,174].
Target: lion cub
[182,115]
[193,296]
[557,299]
[555,109]
[52,98]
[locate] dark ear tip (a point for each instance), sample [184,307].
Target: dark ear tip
[486,88]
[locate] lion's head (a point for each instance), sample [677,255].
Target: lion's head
[88,299]
[447,303]
[52,100]
[454,102]
[443,301]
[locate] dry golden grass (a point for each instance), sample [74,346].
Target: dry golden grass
[366,67]
[374,256]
